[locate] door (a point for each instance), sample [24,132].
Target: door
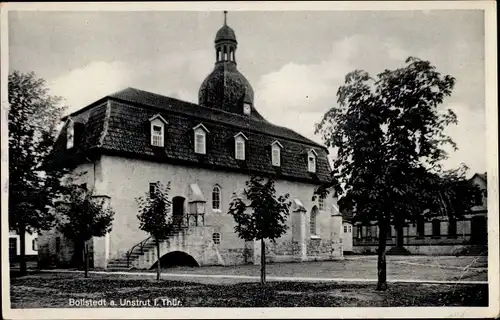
[178,209]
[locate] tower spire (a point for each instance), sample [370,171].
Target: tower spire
[225,17]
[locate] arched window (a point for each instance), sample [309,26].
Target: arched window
[312,222]
[216,196]
[216,238]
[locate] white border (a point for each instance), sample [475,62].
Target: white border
[411,312]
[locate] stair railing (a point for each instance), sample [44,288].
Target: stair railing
[140,245]
[180,223]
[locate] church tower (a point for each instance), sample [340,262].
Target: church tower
[226,88]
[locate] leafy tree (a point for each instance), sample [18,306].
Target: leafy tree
[262,217]
[32,119]
[389,136]
[155,216]
[82,217]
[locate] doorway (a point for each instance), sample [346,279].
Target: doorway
[178,210]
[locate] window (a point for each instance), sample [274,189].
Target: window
[200,139]
[420,228]
[276,155]
[311,161]
[216,238]
[157,136]
[152,188]
[349,229]
[34,244]
[240,150]
[58,244]
[436,228]
[239,146]
[345,229]
[199,142]
[452,228]
[321,204]
[70,135]
[312,222]
[216,197]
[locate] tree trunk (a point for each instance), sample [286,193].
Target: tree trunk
[22,250]
[381,261]
[262,262]
[158,269]
[86,258]
[399,237]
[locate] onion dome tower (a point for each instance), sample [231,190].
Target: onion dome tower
[226,88]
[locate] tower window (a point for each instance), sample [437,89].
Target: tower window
[216,195]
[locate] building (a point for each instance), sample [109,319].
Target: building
[127,141]
[440,236]
[30,247]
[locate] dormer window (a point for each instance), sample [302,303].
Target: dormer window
[276,153]
[157,126]
[200,139]
[70,134]
[311,161]
[239,146]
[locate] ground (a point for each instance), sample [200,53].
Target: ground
[200,287]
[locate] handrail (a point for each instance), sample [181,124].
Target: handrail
[141,245]
[179,223]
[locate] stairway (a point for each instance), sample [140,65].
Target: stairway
[142,249]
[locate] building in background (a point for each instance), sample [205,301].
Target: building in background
[127,141]
[440,236]
[31,247]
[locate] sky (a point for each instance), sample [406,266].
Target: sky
[295,60]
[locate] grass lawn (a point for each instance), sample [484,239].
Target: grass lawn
[55,290]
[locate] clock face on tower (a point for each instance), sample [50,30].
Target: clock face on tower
[246,108]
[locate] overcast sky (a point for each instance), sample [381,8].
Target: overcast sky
[295,61]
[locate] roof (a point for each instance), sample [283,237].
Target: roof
[225,33]
[118,124]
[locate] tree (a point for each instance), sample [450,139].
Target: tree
[264,217]
[155,216]
[81,217]
[389,136]
[32,119]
